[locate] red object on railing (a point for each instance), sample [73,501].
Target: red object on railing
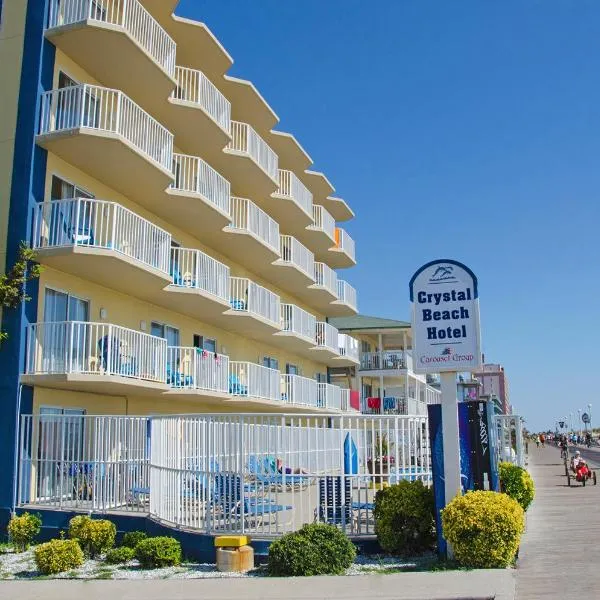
[374,403]
[355,399]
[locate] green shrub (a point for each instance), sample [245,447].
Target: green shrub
[517,483]
[316,549]
[484,529]
[157,552]
[58,556]
[23,529]
[132,538]
[95,536]
[405,518]
[117,556]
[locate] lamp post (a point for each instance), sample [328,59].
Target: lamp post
[571,422]
[590,415]
[580,429]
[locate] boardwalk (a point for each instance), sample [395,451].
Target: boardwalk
[560,552]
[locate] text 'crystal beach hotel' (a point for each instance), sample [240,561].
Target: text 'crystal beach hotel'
[190,253]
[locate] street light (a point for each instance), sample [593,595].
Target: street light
[571,422]
[590,415]
[580,428]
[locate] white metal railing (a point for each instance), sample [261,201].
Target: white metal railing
[507,438]
[254,381]
[395,405]
[348,346]
[246,216]
[100,224]
[345,243]
[128,14]
[245,139]
[194,269]
[296,254]
[195,176]
[326,277]
[298,390]
[106,110]
[98,349]
[197,369]
[388,359]
[345,399]
[292,188]
[346,293]
[323,221]
[296,320]
[327,337]
[247,296]
[195,87]
[330,396]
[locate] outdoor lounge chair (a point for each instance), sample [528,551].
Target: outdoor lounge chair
[335,501]
[178,379]
[235,387]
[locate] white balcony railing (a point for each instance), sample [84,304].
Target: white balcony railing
[298,321]
[128,14]
[100,224]
[194,176]
[326,277]
[299,390]
[348,346]
[323,221]
[246,216]
[247,296]
[345,243]
[244,139]
[195,87]
[296,254]
[347,294]
[292,188]
[197,369]
[254,381]
[193,269]
[389,359]
[345,398]
[329,396]
[106,110]
[327,337]
[99,349]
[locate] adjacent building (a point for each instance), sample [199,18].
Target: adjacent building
[494,386]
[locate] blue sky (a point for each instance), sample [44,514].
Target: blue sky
[466,130]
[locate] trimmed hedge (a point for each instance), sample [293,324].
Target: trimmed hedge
[95,536]
[517,483]
[132,538]
[118,556]
[315,549]
[405,518]
[157,552]
[58,556]
[484,529]
[23,529]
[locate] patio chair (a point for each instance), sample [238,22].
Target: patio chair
[236,387]
[335,501]
[81,233]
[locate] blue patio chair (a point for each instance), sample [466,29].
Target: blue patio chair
[237,304]
[236,387]
[335,501]
[290,479]
[178,379]
[80,233]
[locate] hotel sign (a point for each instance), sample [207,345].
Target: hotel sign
[445,318]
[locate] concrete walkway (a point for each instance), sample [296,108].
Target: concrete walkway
[560,551]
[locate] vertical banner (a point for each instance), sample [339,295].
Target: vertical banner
[434,413]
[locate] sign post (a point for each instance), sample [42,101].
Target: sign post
[446,340]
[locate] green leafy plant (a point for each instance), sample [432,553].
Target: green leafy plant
[484,529]
[157,552]
[132,538]
[315,549]
[405,518]
[117,556]
[95,536]
[14,281]
[517,483]
[58,556]
[22,530]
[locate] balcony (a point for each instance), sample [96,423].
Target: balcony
[320,235]
[299,391]
[254,384]
[102,242]
[195,374]
[330,396]
[326,343]
[291,204]
[95,357]
[298,329]
[388,360]
[104,133]
[348,351]
[323,291]
[248,163]
[117,42]
[342,254]
[346,304]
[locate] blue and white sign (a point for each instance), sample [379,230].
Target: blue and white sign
[445,318]
[585,418]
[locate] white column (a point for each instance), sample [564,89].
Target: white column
[380,349]
[381,392]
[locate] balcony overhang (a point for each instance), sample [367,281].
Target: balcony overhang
[318,184]
[289,277]
[247,324]
[317,297]
[287,212]
[324,354]
[294,342]
[337,258]
[338,208]
[111,159]
[339,308]
[106,267]
[318,241]
[111,55]
[399,373]
[292,155]
[193,302]
[250,404]
[209,397]
[345,361]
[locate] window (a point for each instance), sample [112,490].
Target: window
[208,344]
[171,334]
[61,189]
[365,346]
[61,306]
[272,363]
[321,377]
[292,369]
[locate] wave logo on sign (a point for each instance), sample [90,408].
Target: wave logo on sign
[443,273]
[447,351]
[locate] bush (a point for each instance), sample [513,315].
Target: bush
[95,536]
[23,529]
[517,483]
[58,556]
[405,518]
[316,549]
[132,538]
[117,556]
[484,529]
[157,552]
